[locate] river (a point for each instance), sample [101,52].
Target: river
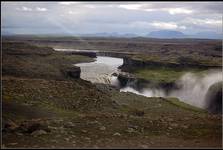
[101,70]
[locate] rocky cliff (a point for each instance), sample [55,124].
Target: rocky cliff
[127,79]
[72,72]
[129,64]
[214,98]
[84,53]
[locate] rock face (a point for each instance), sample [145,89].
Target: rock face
[84,53]
[214,98]
[129,64]
[72,72]
[127,79]
[114,54]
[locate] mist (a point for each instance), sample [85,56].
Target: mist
[192,88]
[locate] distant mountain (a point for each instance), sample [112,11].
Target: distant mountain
[112,34]
[207,35]
[169,34]
[6,33]
[166,34]
[130,35]
[105,34]
[102,34]
[162,34]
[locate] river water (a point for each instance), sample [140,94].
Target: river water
[101,70]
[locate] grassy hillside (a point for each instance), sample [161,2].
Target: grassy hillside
[163,75]
[25,60]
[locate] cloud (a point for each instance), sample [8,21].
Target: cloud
[41,9]
[150,8]
[67,3]
[72,12]
[23,8]
[196,21]
[131,6]
[89,6]
[26,8]
[174,8]
[167,25]
[174,11]
[140,24]
[157,25]
[205,24]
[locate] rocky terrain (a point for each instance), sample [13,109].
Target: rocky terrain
[46,105]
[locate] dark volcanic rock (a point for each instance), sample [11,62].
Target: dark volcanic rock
[89,54]
[214,98]
[72,72]
[28,126]
[81,52]
[128,79]
[125,78]
[31,126]
[183,62]
[129,64]
[114,54]
[115,74]
[9,126]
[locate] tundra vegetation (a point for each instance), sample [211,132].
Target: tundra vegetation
[46,105]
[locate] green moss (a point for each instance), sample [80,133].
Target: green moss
[62,58]
[183,105]
[191,58]
[162,74]
[6,97]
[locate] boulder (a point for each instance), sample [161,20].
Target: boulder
[32,126]
[130,130]
[84,53]
[10,126]
[69,125]
[116,134]
[38,133]
[137,112]
[115,74]
[102,128]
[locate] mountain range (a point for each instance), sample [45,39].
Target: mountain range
[161,34]
[176,34]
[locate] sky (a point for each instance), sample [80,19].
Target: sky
[120,17]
